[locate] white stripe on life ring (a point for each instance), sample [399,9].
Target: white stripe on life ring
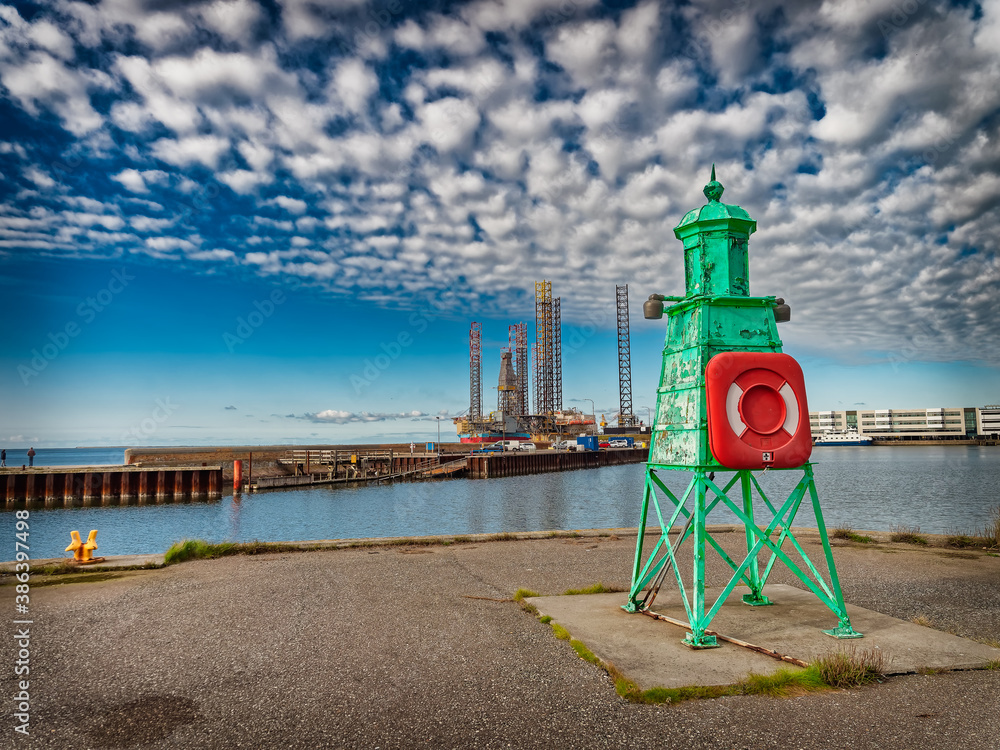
[733,409]
[791,409]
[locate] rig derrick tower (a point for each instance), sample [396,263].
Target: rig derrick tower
[475,376]
[557,396]
[626,417]
[543,342]
[534,377]
[518,339]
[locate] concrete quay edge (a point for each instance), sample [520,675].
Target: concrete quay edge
[152,559]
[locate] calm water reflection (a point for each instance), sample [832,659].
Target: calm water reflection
[938,488]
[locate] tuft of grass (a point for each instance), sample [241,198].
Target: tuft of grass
[584,653]
[907,535]
[414,542]
[992,665]
[965,541]
[521,594]
[597,588]
[193,549]
[627,689]
[503,536]
[851,667]
[559,631]
[846,532]
[932,670]
[783,683]
[462,539]
[199,549]
[922,620]
[993,526]
[861,539]
[545,619]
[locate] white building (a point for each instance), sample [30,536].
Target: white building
[988,420]
[902,424]
[828,421]
[936,422]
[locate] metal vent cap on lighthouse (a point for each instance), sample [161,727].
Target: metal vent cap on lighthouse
[714,209]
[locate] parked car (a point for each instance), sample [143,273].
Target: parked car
[603,445]
[622,442]
[491,448]
[527,447]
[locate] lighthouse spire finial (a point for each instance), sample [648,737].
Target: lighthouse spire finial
[713,190]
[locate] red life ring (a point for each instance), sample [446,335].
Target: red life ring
[757,411]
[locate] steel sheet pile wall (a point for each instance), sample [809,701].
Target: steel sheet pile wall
[68,486]
[537,462]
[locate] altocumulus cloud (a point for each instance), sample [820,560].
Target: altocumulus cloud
[435,152]
[334,416]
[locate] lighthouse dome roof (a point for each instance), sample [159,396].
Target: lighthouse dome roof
[714,209]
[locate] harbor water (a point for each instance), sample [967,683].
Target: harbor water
[67,456]
[940,489]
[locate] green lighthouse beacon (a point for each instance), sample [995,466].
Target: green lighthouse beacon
[728,401]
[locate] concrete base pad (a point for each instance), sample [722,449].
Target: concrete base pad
[650,652]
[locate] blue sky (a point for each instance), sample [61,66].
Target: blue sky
[235,221]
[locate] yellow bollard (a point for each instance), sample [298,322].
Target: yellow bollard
[82,553]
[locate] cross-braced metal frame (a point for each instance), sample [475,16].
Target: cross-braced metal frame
[625,416]
[475,375]
[557,395]
[703,495]
[517,337]
[544,382]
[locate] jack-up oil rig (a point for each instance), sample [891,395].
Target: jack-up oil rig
[514,418]
[537,373]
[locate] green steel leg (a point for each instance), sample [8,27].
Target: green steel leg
[697,638]
[632,605]
[756,596]
[642,576]
[843,630]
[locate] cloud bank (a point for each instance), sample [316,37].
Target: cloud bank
[410,153]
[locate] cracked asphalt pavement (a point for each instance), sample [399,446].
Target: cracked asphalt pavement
[420,646]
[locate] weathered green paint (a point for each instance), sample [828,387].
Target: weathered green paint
[717,314]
